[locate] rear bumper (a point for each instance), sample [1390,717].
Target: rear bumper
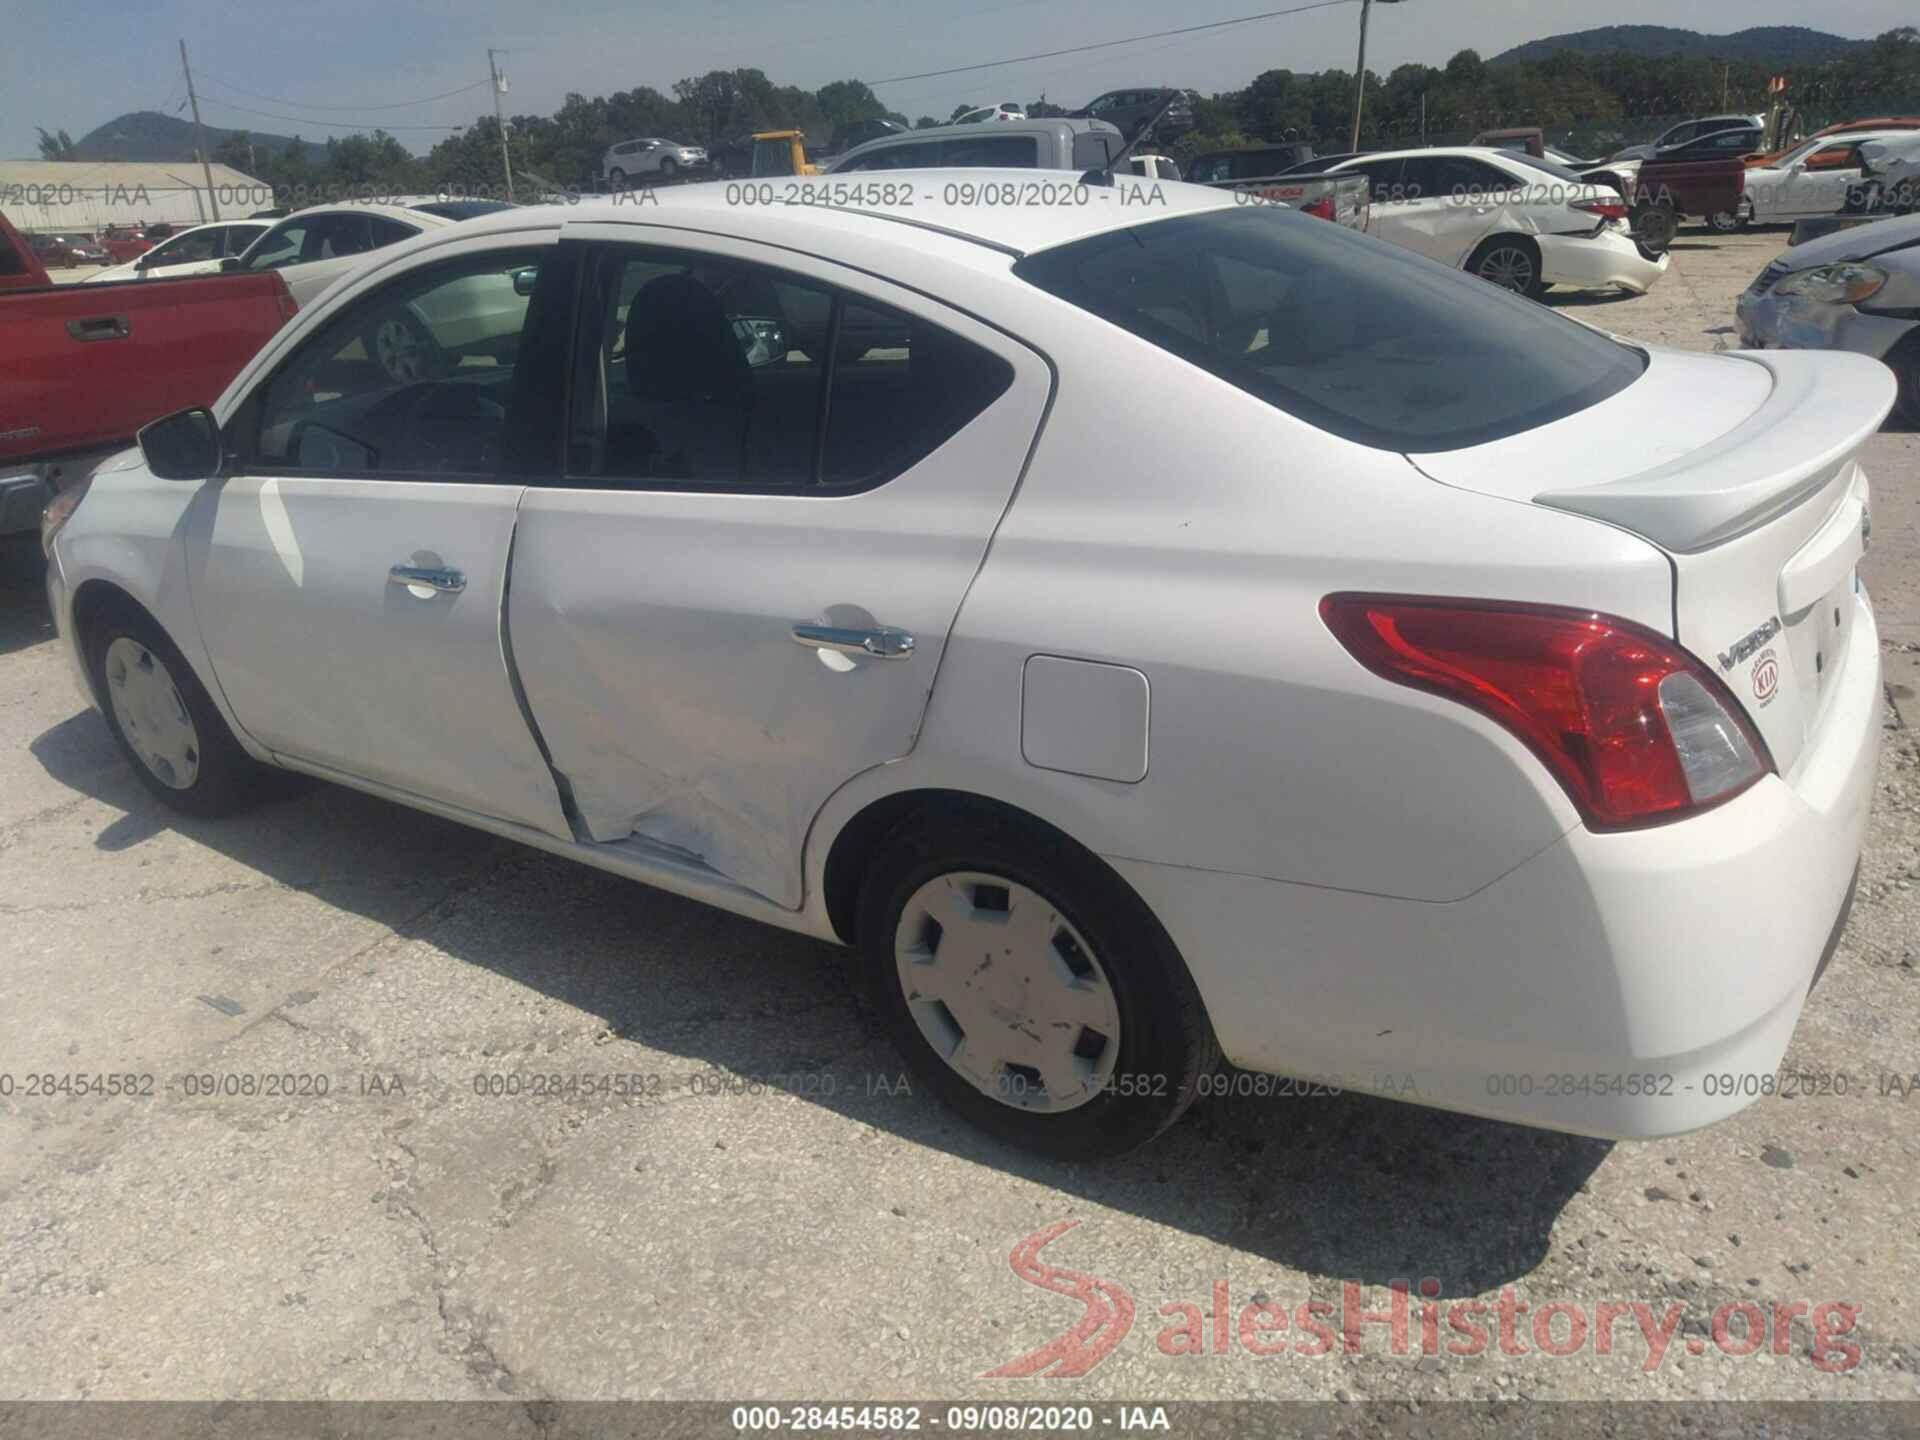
[1623,985]
[1785,322]
[1598,262]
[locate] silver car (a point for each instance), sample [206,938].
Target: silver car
[662,159]
[1855,290]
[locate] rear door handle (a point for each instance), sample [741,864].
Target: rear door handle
[100,327]
[883,644]
[434,577]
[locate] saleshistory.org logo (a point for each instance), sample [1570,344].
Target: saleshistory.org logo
[1467,1327]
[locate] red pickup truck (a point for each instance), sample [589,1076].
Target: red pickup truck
[82,367]
[1673,187]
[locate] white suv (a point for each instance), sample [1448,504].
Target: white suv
[664,159]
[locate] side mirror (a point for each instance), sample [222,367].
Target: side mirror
[231,262]
[525,278]
[183,446]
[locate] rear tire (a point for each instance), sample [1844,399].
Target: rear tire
[1731,222]
[1512,262]
[1654,227]
[165,723]
[617,179]
[1083,957]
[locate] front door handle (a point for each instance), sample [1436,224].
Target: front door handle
[100,327]
[433,577]
[883,644]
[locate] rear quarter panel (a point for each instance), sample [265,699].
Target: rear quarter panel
[1198,556]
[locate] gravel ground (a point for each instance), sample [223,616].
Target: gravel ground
[407,1236]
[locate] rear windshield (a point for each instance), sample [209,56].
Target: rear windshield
[1363,339]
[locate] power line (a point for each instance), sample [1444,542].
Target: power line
[303,105]
[1109,44]
[325,124]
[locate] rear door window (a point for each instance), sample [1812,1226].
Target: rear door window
[1094,150]
[1358,338]
[703,372]
[923,155]
[998,151]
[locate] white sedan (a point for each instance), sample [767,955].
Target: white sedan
[314,247]
[1822,177]
[1524,224]
[196,251]
[1459,704]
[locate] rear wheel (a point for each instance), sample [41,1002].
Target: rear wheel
[1654,227]
[617,179]
[164,721]
[1512,262]
[1028,987]
[1731,222]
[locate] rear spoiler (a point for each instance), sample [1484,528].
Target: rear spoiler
[1823,406]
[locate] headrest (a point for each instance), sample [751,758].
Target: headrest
[680,344]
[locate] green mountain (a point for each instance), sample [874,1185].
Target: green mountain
[1783,43]
[149,135]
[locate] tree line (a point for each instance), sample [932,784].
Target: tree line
[1589,103]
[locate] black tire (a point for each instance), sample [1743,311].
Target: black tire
[617,180]
[669,170]
[1905,361]
[1730,222]
[227,778]
[1510,261]
[1166,1044]
[1654,227]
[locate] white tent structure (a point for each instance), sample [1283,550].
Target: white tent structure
[86,195]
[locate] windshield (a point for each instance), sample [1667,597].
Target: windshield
[1354,336]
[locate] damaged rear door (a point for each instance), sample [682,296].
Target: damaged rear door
[780,480]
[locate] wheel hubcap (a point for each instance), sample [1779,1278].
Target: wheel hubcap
[1509,269]
[150,713]
[399,350]
[1007,992]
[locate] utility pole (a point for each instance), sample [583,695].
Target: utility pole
[1360,80]
[499,86]
[199,135]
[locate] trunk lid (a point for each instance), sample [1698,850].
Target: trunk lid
[1742,469]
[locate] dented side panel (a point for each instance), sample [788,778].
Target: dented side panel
[652,631]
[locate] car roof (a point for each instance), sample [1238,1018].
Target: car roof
[1477,152]
[1009,229]
[401,211]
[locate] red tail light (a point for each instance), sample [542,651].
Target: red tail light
[1323,207]
[1635,730]
[1605,207]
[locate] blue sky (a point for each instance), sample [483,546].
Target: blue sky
[76,63]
